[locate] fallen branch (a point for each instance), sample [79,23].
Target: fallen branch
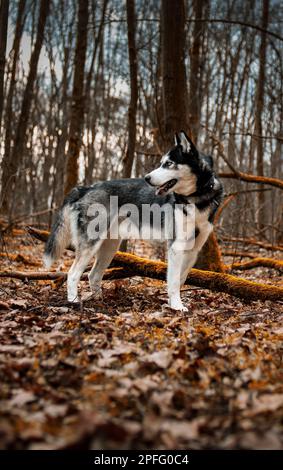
[219,282]
[41,235]
[112,273]
[258,263]
[131,265]
[252,241]
[22,217]
[239,254]
[19,258]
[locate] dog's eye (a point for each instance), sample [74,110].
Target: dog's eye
[167,164]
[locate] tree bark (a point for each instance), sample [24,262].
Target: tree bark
[174,79]
[130,153]
[78,100]
[175,95]
[4,13]
[210,257]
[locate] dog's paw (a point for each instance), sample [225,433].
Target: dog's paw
[96,294]
[178,305]
[74,304]
[73,300]
[87,296]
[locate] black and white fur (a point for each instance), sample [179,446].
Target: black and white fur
[185,176]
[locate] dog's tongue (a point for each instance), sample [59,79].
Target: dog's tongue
[165,187]
[161,190]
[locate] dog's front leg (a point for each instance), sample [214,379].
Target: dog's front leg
[174,273]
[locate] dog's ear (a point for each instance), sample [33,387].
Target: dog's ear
[187,144]
[177,140]
[209,160]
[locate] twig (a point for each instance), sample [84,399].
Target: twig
[276,182]
[251,241]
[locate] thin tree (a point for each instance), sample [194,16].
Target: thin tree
[4,13]
[78,99]
[259,106]
[132,112]
[195,75]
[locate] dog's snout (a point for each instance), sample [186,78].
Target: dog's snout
[147,178]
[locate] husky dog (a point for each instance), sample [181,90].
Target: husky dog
[185,179]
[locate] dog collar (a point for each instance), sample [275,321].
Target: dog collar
[192,198]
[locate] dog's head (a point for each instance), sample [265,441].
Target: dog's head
[182,169]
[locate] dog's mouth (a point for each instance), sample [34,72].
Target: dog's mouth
[164,188]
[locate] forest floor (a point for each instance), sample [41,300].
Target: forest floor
[128,372]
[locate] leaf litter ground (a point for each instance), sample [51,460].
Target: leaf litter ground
[128,372]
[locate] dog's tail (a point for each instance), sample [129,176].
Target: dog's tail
[60,236]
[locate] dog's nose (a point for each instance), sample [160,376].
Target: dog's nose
[147,178]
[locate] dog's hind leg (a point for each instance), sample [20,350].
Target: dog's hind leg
[190,256]
[104,257]
[189,259]
[174,273]
[82,259]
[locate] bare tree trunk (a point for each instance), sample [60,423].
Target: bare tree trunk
[130,154]
[78,100]
[175,94]
[174,80]
[93,116]
[20,136]
[4,13]
[259,105]
[58,180]
[195,69]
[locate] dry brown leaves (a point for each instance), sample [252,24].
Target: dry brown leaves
[127,372]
